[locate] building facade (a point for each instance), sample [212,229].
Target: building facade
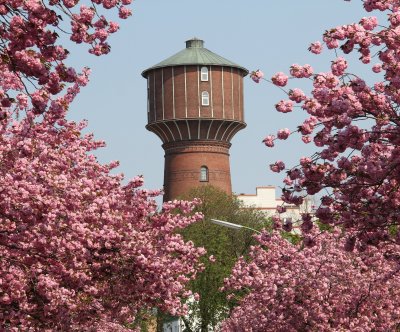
[195,106]
[265,200]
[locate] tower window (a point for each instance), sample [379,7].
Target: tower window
[205,98]
[204,74]
[203,174]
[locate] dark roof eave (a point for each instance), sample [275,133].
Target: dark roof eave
[144,72]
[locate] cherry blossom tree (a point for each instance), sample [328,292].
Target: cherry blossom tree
[345,278]
[354,123]
[79,249]
[33,60]
[286,287]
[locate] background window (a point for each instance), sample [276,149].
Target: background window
[204,173]
[204,74]
[205,98]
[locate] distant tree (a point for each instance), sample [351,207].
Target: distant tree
[223,246]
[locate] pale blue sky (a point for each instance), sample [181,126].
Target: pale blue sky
[269,35]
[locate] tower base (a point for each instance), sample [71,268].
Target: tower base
[189,164]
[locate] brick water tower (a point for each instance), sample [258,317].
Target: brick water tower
[195,106]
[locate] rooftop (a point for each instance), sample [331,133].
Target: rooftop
[195,54]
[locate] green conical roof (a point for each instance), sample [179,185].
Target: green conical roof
[195,54]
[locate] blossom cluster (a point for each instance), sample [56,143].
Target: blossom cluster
[33,60]
[79,250]
[355,127]
[257,76]
[284,287]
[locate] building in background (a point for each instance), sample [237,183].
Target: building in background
[195,106]
[265,200]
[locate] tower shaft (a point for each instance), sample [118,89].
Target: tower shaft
[189,164]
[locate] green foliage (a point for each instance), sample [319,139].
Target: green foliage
[226,245]
[291,237]
[393,230]
[324,227]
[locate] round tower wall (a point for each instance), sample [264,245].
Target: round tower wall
[184,162]
[176,93]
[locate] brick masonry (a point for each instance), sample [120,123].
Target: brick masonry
[183,161]
[194,135]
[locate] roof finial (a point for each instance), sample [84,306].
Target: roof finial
[194,43]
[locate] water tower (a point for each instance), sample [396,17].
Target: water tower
[195,106]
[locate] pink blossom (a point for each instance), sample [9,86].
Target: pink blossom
[288,181]
[113,27]
[277,166]
[394,19]
[297,95]
[284,106]
[70,3]
[315,47]
[101,34]
[281,209]
[301,71]
[283,133]
[377,68]
[331,43]
[269,140]
[22,101]
[124,12]
[366,59]
[369,23]
[307,71]
[108,4]
[379,87]
[339,66]
[257,75]
[279,79]
[86,14]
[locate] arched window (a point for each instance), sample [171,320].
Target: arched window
[205,98]
[204,74]
[203,174]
